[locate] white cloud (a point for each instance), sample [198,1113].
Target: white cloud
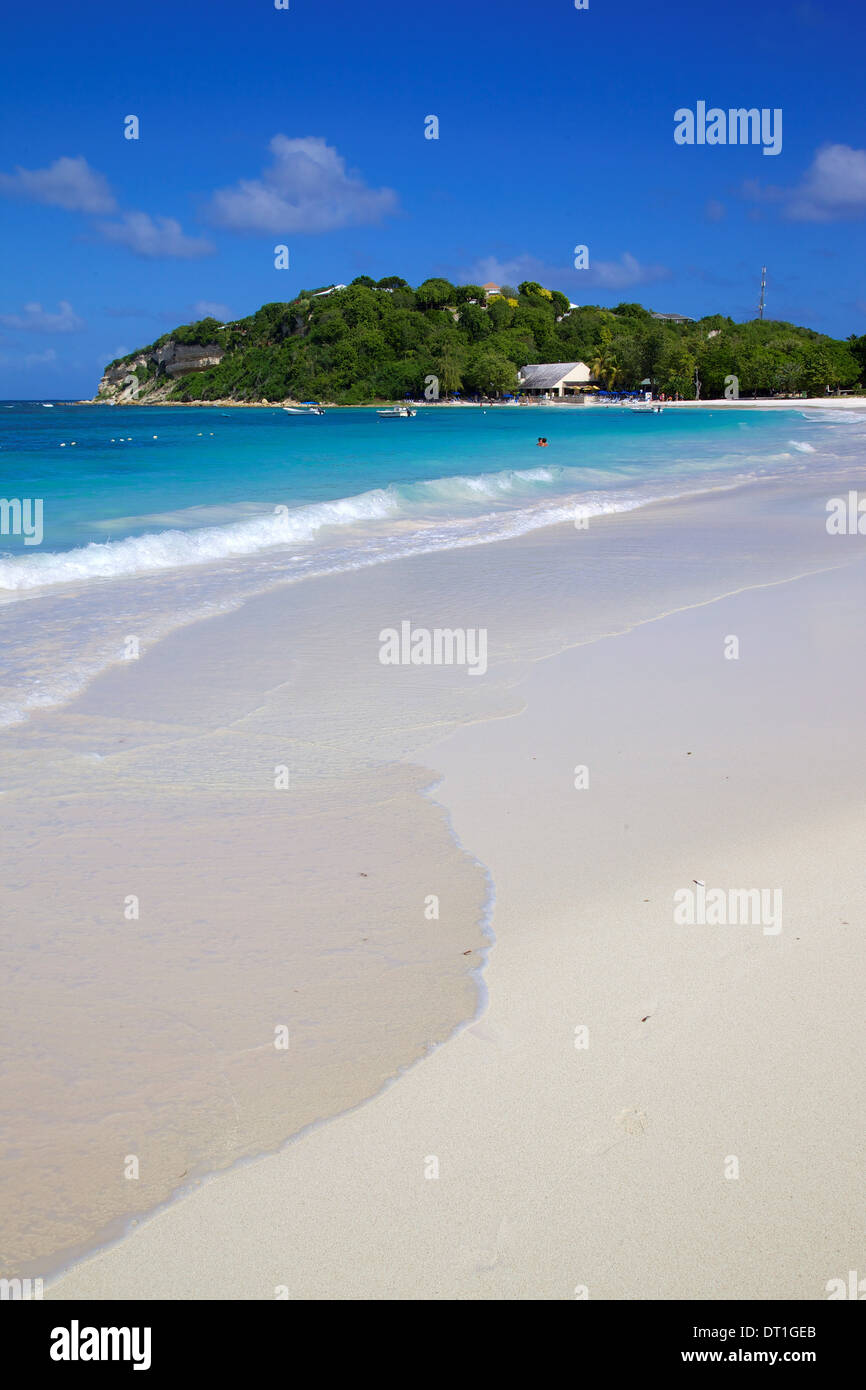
[622,274]
[34,319]
[154,237]
[67,183]
[72,184]
[509,272]
[307,188]
[40,359]
[610,275]
[832,188]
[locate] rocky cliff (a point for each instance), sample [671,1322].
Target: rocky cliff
[151,374]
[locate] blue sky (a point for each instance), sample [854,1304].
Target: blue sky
[305,127]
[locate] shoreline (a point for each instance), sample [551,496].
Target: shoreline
[457,1079]
[811,403]
[209,557]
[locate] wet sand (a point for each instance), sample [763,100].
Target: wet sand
[562,1166]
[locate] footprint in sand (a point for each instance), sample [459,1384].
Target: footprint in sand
[633,1121]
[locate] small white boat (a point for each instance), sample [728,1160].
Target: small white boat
[303,410]
[396,412]
[47,405]
[646,408]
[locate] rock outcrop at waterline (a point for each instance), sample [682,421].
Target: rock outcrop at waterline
[153,372]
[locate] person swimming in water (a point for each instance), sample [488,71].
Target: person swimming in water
[542,442]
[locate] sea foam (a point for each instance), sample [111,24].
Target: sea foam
[283,526]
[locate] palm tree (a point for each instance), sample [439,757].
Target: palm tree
[605,366]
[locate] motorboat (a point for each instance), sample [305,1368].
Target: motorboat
[396,412]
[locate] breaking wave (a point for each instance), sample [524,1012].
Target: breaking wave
[423,503]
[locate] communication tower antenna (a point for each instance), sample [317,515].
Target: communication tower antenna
[763,288]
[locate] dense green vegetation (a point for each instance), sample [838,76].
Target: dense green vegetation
[379,340]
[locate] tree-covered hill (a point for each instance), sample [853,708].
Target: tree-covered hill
[379,340]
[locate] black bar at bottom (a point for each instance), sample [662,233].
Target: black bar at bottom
[77,1338]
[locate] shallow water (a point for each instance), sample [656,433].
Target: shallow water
[160,516]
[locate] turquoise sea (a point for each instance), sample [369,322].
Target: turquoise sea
[156,516]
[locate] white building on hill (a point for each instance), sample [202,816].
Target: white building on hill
[554,378]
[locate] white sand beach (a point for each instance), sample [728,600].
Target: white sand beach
[640,1109]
